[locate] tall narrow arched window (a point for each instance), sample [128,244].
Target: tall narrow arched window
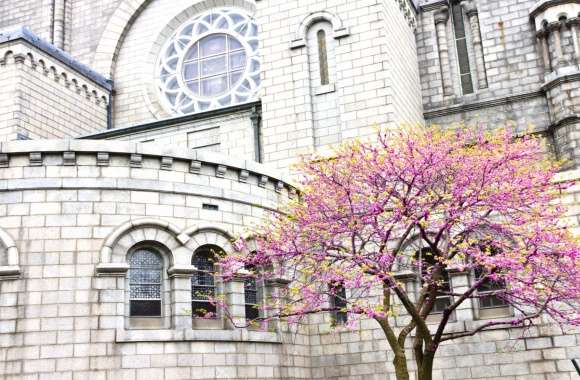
[460,34]
[322,57]
[203,286]
[145,277]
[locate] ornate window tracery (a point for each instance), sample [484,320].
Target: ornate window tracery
[211,61]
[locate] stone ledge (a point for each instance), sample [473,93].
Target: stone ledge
[473,106]
[238,335]
[112,269]
[10,272]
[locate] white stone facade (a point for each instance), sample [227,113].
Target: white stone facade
[128,173]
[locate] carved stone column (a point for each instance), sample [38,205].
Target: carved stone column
[274,289]
[234,292]
[180,277]
[555,28]
[574,25]
[441,16]
[542,36]
[472,14]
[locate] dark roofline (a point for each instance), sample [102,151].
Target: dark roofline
[117,132]
[23,33]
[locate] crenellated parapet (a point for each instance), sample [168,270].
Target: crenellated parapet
[35,70]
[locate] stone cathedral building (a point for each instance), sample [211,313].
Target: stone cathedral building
[137,136]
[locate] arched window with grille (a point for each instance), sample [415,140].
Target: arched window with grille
[145,282]
[251,296]
[338,303]
[203,285]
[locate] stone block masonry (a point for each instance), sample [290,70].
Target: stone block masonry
[65,317]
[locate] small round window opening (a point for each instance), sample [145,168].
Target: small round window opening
[211,61]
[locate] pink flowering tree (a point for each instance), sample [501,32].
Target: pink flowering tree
[487,205]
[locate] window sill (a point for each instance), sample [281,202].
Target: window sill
[238,335]
[325,89]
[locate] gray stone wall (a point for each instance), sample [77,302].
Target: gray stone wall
[67,204]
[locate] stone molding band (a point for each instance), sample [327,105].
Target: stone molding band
[461,108]
[103,150]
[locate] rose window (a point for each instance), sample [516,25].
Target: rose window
[211,61]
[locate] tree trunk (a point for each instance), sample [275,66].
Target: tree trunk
[401,370]
[425,372]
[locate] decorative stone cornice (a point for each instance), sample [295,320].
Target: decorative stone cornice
[433,5]
[558,80]
[441,15]
[134,153]
[470,7]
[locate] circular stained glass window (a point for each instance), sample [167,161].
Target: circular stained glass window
[210,62]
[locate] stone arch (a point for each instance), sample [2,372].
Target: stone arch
[339,30]
[123,18]
[113,254]
[209,235]
[9,257]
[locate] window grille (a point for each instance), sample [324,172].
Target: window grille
[488,291]
[462,52]
[203,289]
[338,302]
[145,276]
[251,297]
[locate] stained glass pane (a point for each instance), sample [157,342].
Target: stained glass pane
[212,66]
[214,86]
[145,276]
[234,44]
[190,70]
[237,60]
[213,44]
[203,281]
